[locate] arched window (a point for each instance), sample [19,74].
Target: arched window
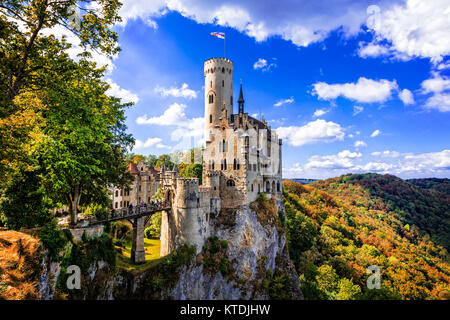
[210,118]
[278,186]
[223,83]
[224,164]
[117,193]
[230,183]
[252,187]
[213,164]
[234,164]
[267,186]
[211,98]
[223,70]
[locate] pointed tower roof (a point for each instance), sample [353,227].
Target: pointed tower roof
[241,96]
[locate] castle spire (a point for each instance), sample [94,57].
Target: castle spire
[241,100]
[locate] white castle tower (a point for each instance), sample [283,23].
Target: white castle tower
[218,92]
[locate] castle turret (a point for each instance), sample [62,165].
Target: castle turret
[218,91]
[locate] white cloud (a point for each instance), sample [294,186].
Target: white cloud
[379,167]
[342,160]
[284,101]
[439,87]
[375,133]
[357,110]
[416,29]
[364,90]
[263,65]
[182,92]
[175,116]
[386,154]
[150,142]
[320,112]
[313,132]
[116,91]
[360,143]
[439,101]
[436,84]
[295,21]
[371,50]
[408,165]
[406,96]
[434,161]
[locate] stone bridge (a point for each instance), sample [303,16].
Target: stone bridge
[138,217]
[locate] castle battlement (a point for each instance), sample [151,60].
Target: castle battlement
[218,60]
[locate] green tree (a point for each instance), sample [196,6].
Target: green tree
[327,280]
[154,230]
[164,160]
[25,53]
[24,204]
[193,170]
[85,140]
[347,290]
[151,160]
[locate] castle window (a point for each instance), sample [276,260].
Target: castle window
[231,100]
[117,193]
[213,164]
[139,188]
[224,164]
[238,164]
[121,204]
[223,83]
[223,70]
[210,118]
[252,187]
[221,164]
[116,204]
[259,188]
[121,192]
[211,98]
[247,141]
[234,164]
[254,167]
[267,186]
[230,183]
[278,186]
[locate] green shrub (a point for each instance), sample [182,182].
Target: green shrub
[224,244]
[154,230]
[54,239]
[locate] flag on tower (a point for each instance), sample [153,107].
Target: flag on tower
[219,35]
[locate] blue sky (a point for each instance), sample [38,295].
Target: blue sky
[349,88]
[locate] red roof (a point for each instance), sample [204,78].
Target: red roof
[133,168]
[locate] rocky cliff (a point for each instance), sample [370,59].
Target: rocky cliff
[246,259]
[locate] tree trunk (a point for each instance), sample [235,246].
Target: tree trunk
[74,200]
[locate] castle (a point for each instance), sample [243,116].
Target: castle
[241,158]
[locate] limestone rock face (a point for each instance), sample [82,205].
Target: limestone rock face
[253,249]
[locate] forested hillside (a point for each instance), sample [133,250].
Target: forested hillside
[338,227]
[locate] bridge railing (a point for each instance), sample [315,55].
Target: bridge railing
[123,213]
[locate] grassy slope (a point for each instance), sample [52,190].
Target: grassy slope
[152,257]
[338,227]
